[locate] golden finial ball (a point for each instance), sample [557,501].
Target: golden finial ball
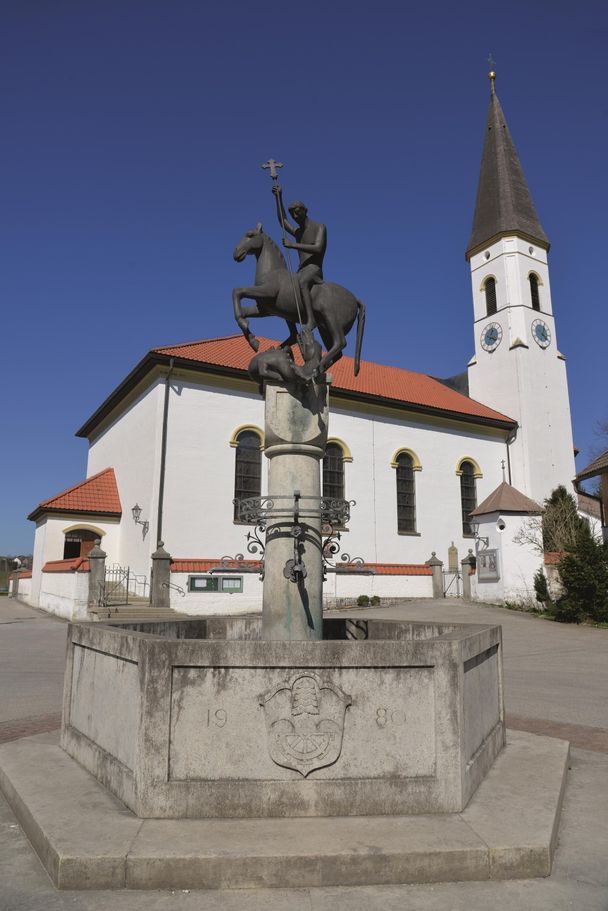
[492,75]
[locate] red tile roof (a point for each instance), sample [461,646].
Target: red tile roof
[97,494]
[597,467]
[552,557]
[376,380]
[192,565]
[75,565]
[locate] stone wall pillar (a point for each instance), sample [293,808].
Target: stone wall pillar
[295,436]
[14,592]
[160,593]
[467,565]
[97,576]
[437,569]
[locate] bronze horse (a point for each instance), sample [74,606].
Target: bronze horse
[334,307]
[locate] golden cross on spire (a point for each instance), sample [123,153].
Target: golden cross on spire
[491,74]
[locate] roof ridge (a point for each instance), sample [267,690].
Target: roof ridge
[200,341]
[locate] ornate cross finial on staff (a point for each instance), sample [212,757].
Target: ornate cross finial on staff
[502,465]
[272,166]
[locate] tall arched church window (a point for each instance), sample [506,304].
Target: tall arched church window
[468,494]
[534,295]
[406,494]
[490,289]
[247,467]
[333,471]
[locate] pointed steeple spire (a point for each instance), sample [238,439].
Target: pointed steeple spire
[504,204]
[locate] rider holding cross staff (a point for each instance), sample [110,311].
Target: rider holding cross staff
[310,243]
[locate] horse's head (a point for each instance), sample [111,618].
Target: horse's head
[252,242]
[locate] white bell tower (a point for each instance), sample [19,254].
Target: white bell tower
[517,367]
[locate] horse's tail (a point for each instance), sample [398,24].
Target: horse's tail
[360,328]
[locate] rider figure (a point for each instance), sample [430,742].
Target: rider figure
[311,243]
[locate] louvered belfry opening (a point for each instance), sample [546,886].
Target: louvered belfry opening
[406,494]
[490,289]
[534,294]
[248,467]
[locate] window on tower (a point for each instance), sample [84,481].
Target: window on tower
[248,467]
[468,495]
[535,296]
[490,289]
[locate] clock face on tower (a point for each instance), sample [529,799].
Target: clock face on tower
[541,333]
[491,337]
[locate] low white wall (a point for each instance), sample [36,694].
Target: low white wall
[337,586]
[340,585]
[247,601]
[65,594]
[25,590]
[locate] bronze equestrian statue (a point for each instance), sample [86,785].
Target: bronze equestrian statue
[334,308]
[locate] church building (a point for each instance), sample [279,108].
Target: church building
[439,471]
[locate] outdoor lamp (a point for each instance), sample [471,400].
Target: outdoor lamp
[136,513]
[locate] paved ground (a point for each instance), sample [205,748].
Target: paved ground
[556,683]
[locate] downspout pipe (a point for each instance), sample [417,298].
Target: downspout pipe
[510,439]
[163,457]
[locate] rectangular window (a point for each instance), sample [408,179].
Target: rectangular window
[232,583]
[225,584]
[203,583]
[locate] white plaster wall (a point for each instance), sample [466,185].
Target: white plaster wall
[131,445]
[517,563]
[527,383]
[25,590]
[65,594]
[351,586]
[38,560]
[199,486]
[199,483]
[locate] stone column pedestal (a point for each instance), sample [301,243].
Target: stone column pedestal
[97,576]
[295,437]
[160,593]
[437,570]
[467,564]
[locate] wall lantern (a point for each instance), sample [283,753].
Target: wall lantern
[479,539]
[145,525]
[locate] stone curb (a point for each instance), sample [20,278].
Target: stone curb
[87,839]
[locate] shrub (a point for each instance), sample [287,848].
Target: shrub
[375,599]
[363,600]
[541,588]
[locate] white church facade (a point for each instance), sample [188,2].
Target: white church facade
[182,436]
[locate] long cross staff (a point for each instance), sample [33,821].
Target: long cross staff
[272,166]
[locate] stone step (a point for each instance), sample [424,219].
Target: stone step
[87,839]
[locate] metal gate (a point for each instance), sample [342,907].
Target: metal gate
[452,581]
[122,586]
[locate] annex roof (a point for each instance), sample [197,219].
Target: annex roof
[595,468]
[96,495]
[203,565]
[375,381]
[507,499]
[504,204]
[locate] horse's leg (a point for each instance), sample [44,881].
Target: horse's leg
[256,293]
[292,337]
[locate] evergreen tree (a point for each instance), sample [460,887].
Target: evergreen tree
[584,576]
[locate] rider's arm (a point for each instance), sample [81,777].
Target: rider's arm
[291,229]
[318,246]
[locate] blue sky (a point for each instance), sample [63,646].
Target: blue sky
[134,131]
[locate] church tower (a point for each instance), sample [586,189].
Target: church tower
[517,367]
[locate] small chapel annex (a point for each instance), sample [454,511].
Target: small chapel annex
[435,467]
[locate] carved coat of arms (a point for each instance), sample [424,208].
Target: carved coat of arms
[305,722]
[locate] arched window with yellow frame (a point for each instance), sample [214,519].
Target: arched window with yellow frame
[247,441]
